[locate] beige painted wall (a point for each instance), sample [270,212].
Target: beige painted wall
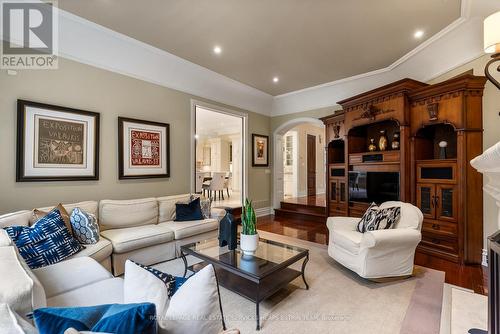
[491,126]
[85,87]
[315,113]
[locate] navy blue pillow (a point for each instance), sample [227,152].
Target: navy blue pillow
[110,318]
[187,212]
[48,241]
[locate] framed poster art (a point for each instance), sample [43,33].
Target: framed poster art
[143,149]
[56,143]
[260,150]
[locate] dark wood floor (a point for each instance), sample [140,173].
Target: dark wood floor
[472,277]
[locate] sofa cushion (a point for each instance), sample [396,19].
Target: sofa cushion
[132,238]
[166,206]
[109,318]
[84,226]
[5,240]
[19,287]
[12,323]
[188,211]
[348,240]
[98,251]
[195,307]
[48,241]
[18,218]
[87,206]
[108,291]
[128,213]
[189,228]
[38,214]
[70,274]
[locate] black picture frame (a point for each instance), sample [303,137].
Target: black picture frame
[21,142]
[121,170]
[254,148]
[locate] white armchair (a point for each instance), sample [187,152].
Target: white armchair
[381,253]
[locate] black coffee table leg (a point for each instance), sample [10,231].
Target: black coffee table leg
[304,270]
[258,315]
[183,256]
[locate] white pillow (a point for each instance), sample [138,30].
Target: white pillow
[195,307]
[143,285]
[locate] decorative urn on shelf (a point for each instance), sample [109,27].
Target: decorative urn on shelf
[372,147]
[249,239]
[442,149]
[395,141]
[382,142]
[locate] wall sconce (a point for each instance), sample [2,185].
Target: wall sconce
[492,44]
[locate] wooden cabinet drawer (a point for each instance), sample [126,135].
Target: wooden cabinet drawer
[355,158]
[437,242]
[440,228]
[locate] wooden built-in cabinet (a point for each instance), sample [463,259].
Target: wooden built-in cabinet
[336,175]
[445,187]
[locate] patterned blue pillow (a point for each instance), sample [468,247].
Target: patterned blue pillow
[84,226]
[111,318]
[47,242]
[173,283]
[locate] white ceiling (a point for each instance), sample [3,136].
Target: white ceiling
[304,42]
[211,124]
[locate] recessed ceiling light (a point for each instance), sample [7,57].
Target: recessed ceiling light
[217,50]
[196,136]
[276,79]
[418,34]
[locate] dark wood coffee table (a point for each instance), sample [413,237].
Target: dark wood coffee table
[253,277]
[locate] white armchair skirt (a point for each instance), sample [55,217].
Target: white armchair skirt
[381,253]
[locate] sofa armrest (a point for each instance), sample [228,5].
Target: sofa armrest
[405,237]
[342,223]
[218,213]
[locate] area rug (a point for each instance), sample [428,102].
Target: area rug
[338,300]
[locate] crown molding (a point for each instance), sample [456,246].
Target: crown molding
[455,45]
[87,42]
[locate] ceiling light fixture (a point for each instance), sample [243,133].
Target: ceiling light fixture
[196,136]
[217,50]
[276,79]
[492,44]
[418,34]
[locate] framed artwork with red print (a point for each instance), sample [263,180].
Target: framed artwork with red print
[144,149]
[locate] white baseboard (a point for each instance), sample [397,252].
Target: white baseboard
[264,211]
[485,258]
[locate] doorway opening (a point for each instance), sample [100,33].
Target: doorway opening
[219,155]
[299,162]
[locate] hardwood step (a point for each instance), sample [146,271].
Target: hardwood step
[292,214]
[303,208]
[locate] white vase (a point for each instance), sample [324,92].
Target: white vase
[249,243]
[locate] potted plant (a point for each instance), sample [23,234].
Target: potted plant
[249,239]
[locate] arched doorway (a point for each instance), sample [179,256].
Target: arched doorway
[278,154]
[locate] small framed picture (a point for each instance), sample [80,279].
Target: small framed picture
[56,143]
[260,150]
[143,149]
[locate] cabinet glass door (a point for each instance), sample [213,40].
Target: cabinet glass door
[333,191]
[426,200]
[343,192]
[446,202]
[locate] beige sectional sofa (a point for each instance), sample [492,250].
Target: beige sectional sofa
[142,230]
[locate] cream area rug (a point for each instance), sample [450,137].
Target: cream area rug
[338,301]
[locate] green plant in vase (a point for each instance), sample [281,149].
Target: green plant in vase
[249,239]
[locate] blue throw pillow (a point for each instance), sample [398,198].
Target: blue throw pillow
[48,241]
[110,318]
[186,212]
[84,226]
